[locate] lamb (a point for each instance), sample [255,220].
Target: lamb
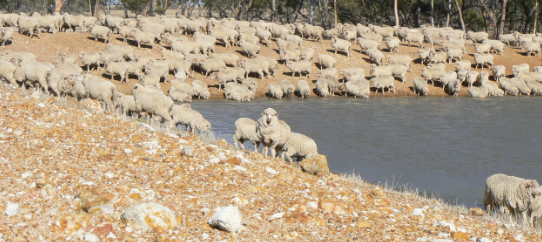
[274,133]
[289,54]
[454,87]
[229,59]
[431,74]
[275,90]
[300,67]
[415,37]
[482,48]
[152,102]
[111,56]
[178,95]
[100,90]
[307,54]
[303,88]
[340,44]
[482,59]
[5,35]
[510,194]
[150,80]
[463,65]
[508,86]
[287,87]
[392,43]
[358,88]
[300,146]
[185,115]
[212,65]
[255,66]
[405,60]
[200,89]
[126,103]
[367,44]
[246,130]
[496,46]
[326,61]
[102,32]
[499,71]
[116,68]
[420,86]
[143,37]
[250,49]
[376,56]
[330,72]
[29,25]
[532,47]
[521,68]
[381,82]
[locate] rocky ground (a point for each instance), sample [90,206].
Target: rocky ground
[71,172]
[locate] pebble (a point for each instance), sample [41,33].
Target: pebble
[276,215]
[270,170]
[12,209]
[418,212]
[228,219]
[204,236]
[91,237]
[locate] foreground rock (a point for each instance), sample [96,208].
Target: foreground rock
[316,165]
[151,215]
[227,219]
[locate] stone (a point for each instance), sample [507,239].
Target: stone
[270,170]
[418,212]
[364,225]
[227,219]
[476,212]
[11,209]
[326,205]
[188,151]
[483,240]
[151,215]
[234,161]
[91,237]
[460,236]
[316,165]
[103,230]
[276,215]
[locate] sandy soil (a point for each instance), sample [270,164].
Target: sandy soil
[49,46]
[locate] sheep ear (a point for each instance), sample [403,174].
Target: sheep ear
[528,184]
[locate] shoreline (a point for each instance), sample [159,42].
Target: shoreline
[81,169]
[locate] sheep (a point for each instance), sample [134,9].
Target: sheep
[68,59]
[116,68]
[178,95]
[399,71]
[150,80]
[322,88]
[246,130]
[454,54]
[185,115]
[284,44]
[229,74]
[126,103]
[492,88]
[326,61]
[384,31]
[303,88]
[420,86]
[535,86]
[110,56]
[100,90]
[255,66]
[380,70]
[7,71]
[264,35]
[250,49]
[200,89]
[358,88]
[331,72]
[294,39]
[477,36]
[495,45]
[367,44]
[521,86]
[482,48]
[275,90]
[307,54]
[274,133]
[463,65]
[102,32]
[287,87]
[499,71]
[212,65]
[332,84]
[314,32]
[182,86]
[229,59]
[350,34]
[127,51]
[29,25]
[508,86]
[437,57]
[198,36]
[462,75]
[300,146]
[153,102]
[300,67]
[5,35]
[405,60]
[376,56]
[134,68]
[508,39]
[340,44]
[66,69]
[271,61]
[415,37]
[353,74]
[289,55]
[206,47]
[454,87]
[537,69]
[424,54]
[431,74]
[510,194]
[520,68]
[240,94]
[392,43]
[113,22]
[279,31]
[381,82]
[532,47]
[447,78]
[477,92]
[143,37]
[374,37]
[482,59]
[34,71]
[10,19]
[251,84]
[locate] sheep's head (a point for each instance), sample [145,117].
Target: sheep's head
[137,88]
[270,115]
[533,186]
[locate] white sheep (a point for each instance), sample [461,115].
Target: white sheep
[383,31]
[520,84]
[322,88]
[532,47]
[200,89]
[477,36]
[192,119]
[150,80]
[289,54]
[212,65]
[431,74]
[294,39]
[5,35]
[229,59]
[463,65]
[110,56]
[510,194]
[251,84]
[353,74]
[240,94]
[438,57]
[246,130]
[331,72]
[274,133]
[116,68]
[454,87]
[374,37]
[299,146]
[415,37]
[405,60]
[496,46]
[326,61]
[381,82]
[492,88]
[300,67]
[143,37]
[7,71]
[367,44]
[482,59]
[452,53]
[271,61]
[477,92]
[332,84]
[482,48]
[535,86]
[29,25]
[342,45]
[376,56]
[358,88]
[284,44]
[314,32]
[159,70]
[424,54]
[303,88]
[178,95]
[34,71]
[100,90]
[255,66]
[392,43]
[520,68]
[264,35]
[287,88]
[508,87]
[275,90]
[447,78]
[508,39]
[126,103]
[420,86]
[250,49]
[307,54]
[102,32]
[134,68]
[499,71]
[153,102]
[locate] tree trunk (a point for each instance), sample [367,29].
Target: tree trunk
[503,17]
[274,9]
[460,16]
[396,13]
[90,7]
[311,11]
[418,15]
[58,5]
[490,13]
[335,7]
[432,14]
[535,16]
[96,8]
[448,14]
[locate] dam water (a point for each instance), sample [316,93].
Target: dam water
[441,145]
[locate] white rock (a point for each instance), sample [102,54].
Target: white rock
[128,151]
[228,219]
[239,168]
[183,141]
[111,236]
[483,240]
[12,209]
[276,215]
[418,212]
[26,174]
[91,237]
[204,236]
[270,170]
[312,205]
[41,105]
[160,214]
[109,175]
[214,160]
[450,225]
[18,132]
[500,231]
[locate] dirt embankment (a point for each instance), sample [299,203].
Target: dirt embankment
[49,46]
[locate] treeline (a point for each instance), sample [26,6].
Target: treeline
[478,15]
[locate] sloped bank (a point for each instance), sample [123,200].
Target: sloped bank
[72,172]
